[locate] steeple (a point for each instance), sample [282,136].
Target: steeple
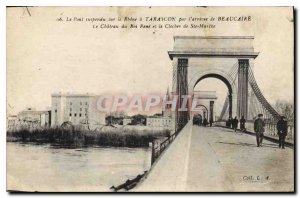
[167,111]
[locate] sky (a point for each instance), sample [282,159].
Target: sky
[45,56]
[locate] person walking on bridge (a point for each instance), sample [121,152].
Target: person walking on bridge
[235,123]
[282,131]
[200,121]
[259,128]
[229,122]
[205,122]
[242,124]
[210,122]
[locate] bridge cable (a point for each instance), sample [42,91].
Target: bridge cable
[232,73]
[265,105]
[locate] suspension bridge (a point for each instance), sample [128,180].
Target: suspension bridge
[212,159]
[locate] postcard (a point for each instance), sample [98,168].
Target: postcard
[150,99]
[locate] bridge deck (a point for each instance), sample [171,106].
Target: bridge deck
[218,159]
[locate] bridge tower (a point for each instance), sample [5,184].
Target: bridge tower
[195,58]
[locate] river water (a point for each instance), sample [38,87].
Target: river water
[46,168]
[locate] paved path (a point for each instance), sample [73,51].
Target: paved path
[218,159]
[223,160]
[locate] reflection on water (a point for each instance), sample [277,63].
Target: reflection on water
[47,168]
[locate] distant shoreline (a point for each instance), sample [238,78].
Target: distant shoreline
[115,137]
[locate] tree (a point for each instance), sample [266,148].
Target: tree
[110,120]
[138,119]
[285,108]
[115,117]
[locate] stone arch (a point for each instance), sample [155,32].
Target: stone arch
[212,73]
[224,77]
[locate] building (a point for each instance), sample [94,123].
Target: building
[161,122]
[76,109]
[29,119]
[167,111]
[11,122]
[127,121]
[35,118]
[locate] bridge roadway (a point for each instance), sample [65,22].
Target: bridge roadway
[205,159]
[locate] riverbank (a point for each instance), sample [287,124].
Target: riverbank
[117,137]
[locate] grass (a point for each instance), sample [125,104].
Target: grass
[108,136]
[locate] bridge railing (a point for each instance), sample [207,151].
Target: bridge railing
[159,146]
[270,128]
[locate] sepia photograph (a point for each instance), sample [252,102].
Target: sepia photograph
[150,99]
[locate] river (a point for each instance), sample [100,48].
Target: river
[45,168]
